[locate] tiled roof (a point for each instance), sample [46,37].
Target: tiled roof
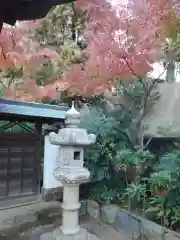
[31,110]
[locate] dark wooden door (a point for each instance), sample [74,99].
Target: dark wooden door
[19,165]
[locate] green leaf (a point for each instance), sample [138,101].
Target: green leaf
[160,214]
[168,212]
[152,209]
[101,173]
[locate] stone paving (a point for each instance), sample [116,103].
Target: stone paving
[102,230]
[96,227]
[29,222]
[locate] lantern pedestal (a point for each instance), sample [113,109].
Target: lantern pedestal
[70,221]
[58,235]
[71,178]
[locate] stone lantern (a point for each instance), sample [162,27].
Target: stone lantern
[71,140]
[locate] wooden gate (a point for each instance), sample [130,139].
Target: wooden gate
[19,165]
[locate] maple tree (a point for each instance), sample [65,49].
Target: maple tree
[125,43]
[122,41]
[20,55]
[67,24]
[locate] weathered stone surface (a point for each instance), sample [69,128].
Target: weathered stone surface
[83,208]
[148,235]
[108,213]
[25,218]
[13,225]
[170,236]
[102,230]
[46,236]
[21,219]
[57,235]
[137,227]
[153,230]
[47,216]
[92,237]
[34,233]
[93,209]
[52,194]
[126,223]
[6,225]
[29,236]
[55,214]
[43,229]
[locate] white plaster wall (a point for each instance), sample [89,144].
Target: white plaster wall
[51,162]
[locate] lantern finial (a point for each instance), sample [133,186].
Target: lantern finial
[72,117]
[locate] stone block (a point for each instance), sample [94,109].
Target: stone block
[153,230]
[46,236]
[35,233]
[93,209]
[52,194]
[25,219]
[47,216]
[127,224]
[43,229]
[83,208]
[170,236]
[138,226]
[55,214]
[108,213]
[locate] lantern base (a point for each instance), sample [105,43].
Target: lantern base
[58,235]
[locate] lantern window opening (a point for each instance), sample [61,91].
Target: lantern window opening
[77,155]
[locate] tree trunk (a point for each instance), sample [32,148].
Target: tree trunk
[170,75]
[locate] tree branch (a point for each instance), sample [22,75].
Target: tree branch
[134,73]
[147,143]
[127,137]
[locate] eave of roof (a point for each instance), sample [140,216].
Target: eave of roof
[31,111]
